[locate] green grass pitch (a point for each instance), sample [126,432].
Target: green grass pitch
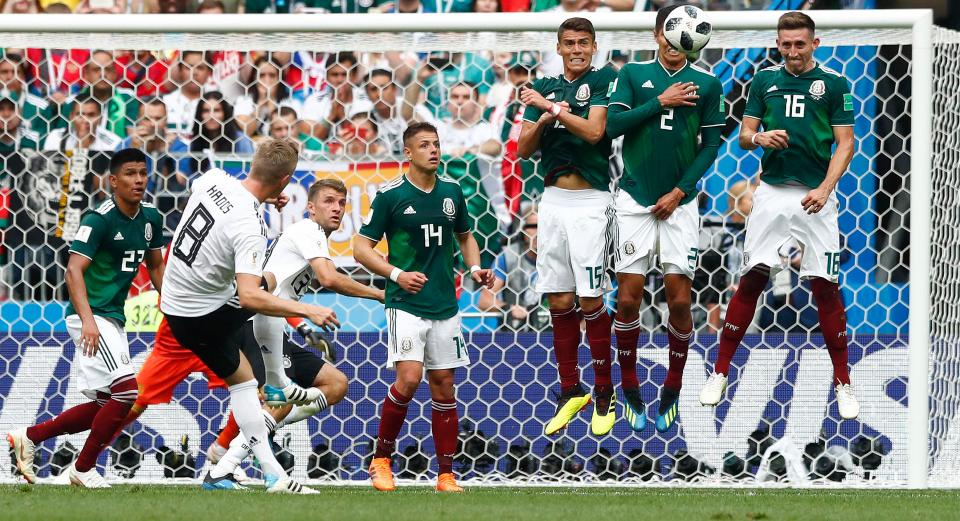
[183,503]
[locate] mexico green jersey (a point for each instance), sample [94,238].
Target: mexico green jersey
[807,106]
[115,245]
[421,230]
[659,152]
[562,152]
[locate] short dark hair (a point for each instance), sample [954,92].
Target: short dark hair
[662,15]
[83,99]
[474,88]
[579,25]
[127,155]
[285,111]
[415,128]
[327,182]
[379,72]
[796,20]
[342,58]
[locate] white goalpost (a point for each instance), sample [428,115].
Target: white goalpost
[900,274]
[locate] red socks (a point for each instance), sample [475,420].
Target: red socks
[445,429]
[679,345]
[740,313]
[833,323]
[598,335]
[391,419]
[566,341]
[229,432]
[107,422]
[71,421]
[628,334]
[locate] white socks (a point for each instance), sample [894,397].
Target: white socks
[269,334]
[253,431]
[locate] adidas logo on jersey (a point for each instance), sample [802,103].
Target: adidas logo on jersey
[118,237]
[771,89]
[647,84]
[409,211]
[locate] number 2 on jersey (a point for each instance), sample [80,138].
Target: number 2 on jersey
[666,119]
[429,231]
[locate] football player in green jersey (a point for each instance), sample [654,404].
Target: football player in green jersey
[662,107]
[565,119]
[105,255]
[424,217]
[805,108]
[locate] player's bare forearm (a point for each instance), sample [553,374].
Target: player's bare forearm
[78,287]
[748,128]
[591,129]
[254,298]
[155,267]
[328,276]
[469,249]
[529,140]
[841,157]
[364,254]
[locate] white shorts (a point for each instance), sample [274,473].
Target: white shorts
[777,217]
[111,362]
[575,233]
[645,242]
[437,344]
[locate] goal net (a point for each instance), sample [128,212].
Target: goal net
[198,92]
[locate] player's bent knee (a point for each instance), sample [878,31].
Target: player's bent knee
[332,382]
[591,304]
[560,301]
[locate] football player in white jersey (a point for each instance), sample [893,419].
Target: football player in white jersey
[298,257]
[220,245]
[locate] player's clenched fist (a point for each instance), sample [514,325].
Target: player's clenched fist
[775,139]
[483,277]
[412,281]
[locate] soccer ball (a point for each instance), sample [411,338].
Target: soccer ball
[687,29]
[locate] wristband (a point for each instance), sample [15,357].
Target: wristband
[474,269]
[395,274]
[753,139]
[555,109]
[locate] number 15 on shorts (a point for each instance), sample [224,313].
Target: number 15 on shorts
[595,276]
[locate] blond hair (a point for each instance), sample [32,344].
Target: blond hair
[274,160]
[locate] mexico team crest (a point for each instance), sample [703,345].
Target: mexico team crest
[818,88]
[583,93]
[629,248]
[448,208]
[148,232]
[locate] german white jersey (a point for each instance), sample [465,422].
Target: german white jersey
[289,258]
[222,233]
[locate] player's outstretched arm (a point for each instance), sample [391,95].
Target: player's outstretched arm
[471,256]
[90,333]
[363,252]
[155,267]
[254,298]
[817,198]
[328,276]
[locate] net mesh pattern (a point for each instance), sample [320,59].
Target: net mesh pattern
[196,101]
